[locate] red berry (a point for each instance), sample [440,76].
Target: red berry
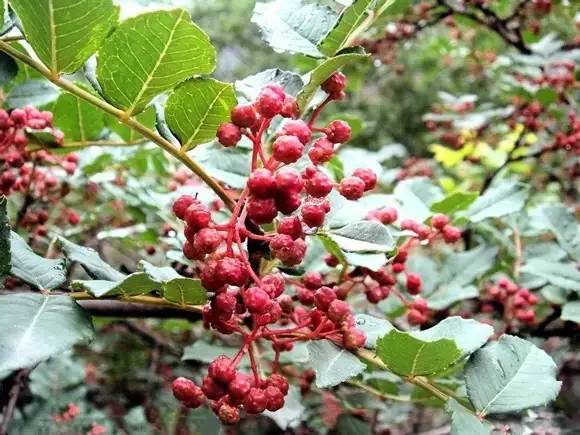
[224,303]
[352,188]
[275,398]
[321,151]
[398,267]
[257,300]
[244,115]
[323,297]
[231,271]
[291,226]
[197,216]
[229,134]
[185,390]
[312,280]
[331,261]
[211,389]
[318,185]
[287,203]
[221,370]
[181,205]
[409,224]
[190,252]
[313,214]
[262,210]
[228,414]
[439,221]
[209,277]
[73,218]
[269,103]
[338,310]
[276,88]
[207,240]
[262,183]
[451,234]
[288,251]
[287,149]
[368,176]
[387,215]
[305,296]
[289,180]
[338,131]
[273,284]
[353,339]
[415,317]
[297,128]
[290,107]
[255,401]
[240,386]
[279,382]
[413,283]
[334,85]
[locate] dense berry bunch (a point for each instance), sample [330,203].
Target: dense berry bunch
[513,301]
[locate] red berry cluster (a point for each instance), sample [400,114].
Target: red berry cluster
[517,302]
[569,140]
[241,300]
[182,177]
[69,414]
[439,227]
[415,167]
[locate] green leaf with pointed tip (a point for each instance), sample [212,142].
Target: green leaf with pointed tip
[78,120]
[4,239]
[137,283]
[292,26]
[464,422]
[408,356]
[332,364]
[332,247]
[196,108]
[36,327]
[501,199]
[319,74]
[451,204]
[571,311]
[185,291]
[65,33]
[349,21]
[510,375]
[43,273]
[90,260]
[363,236]
[150,54]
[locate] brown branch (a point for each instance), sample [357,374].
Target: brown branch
[14,394]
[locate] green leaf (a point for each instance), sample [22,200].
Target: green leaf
[129,135]
[137,283]
[65,33]
[559,220]
[90,260]
[196,108]
[292,26]
[150,54]
[349,425]
[510,375]
[571,311]
[185,291]
[78,120]
[35,93]
[228,165]
[373,327]
[58,374]
[319,74]
[416,196]
[291,414]
[332,364]
[250,87]
[33,269]
[469,335]
[499,200]
[36,327]
[451,204]
[464,422]
[409,356]
[8,69]
[563,275]
[4,239]
[348,22]
[363,236]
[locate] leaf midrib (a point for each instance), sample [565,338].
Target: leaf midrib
[35,319]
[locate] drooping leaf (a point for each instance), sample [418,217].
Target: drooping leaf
[499,200]
[292,26]
[464,422]
[43,273]
[65,33]
[196,108]
[561,221]
[571,311]
[90,260]
[36,327]
[457,201]
[35,93]
[332,364]
[4,239]
[563,275]
[407,355]
[510,375]
[319,74]
[137,283]
[78,120]
[149,54]
[363,236]
[350,19]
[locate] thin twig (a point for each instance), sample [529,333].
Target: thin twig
[14,393]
